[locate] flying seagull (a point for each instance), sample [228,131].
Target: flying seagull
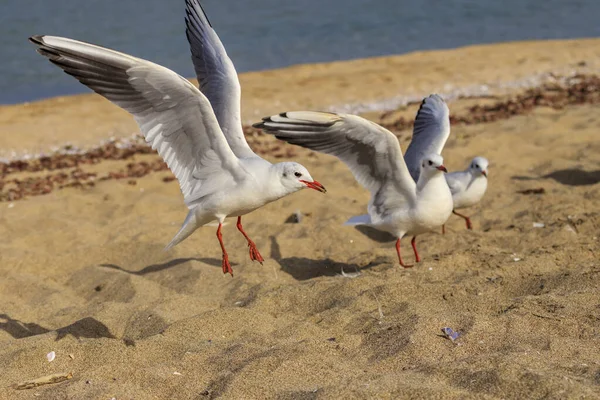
[197,132]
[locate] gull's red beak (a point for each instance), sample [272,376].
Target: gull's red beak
[442,168]
[314,185]
[484,173]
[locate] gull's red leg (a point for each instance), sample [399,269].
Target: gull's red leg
[444,229]
[467,220]
[225,263]
[414,246]
[254,254]
[399,256]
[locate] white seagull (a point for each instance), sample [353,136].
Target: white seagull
[200,138]
[468,187]
[398,204]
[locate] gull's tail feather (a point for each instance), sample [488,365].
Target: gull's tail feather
[359,220]
[189,226]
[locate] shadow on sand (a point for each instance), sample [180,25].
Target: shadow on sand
[88,327]
[302,268]
[570,177]
[169,264]
[374,234]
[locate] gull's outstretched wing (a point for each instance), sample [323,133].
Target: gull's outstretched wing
[431,130]
[175,118]
[217,77]
[371,152]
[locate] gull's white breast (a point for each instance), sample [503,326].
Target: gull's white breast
[472,194]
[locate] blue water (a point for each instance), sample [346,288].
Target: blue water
[263,34]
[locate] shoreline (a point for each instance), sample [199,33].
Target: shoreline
[335,64]
[351,86]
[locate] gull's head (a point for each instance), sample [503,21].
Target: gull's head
[295,177]
[479,166]
[432,164]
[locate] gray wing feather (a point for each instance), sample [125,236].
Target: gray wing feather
[217,76]
[430,132]
[175,118]
[457,181]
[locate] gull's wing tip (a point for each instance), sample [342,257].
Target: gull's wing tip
[37,39]
[191,4]
[434,97]
[263,124]
[434,103]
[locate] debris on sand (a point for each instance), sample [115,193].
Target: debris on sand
[44,380]
[295,218]
[450,333]
[532,191]
[562,92]
[64,165]
[351,274]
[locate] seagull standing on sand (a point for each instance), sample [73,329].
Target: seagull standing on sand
[398,204]
[200,138]
[468,187]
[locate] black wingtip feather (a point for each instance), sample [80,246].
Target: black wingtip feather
[432,97]
[421,106]
[48,53]
[205,16]
[190,5]
[37,39]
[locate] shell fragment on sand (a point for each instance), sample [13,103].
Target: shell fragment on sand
[450,333]
[351,274]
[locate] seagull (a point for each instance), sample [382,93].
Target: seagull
[399,204]
[197,132]
[468,187]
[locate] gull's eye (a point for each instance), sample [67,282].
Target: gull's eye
[477,166]
[298,174]
[430,162]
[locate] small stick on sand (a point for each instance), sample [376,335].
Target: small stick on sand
[44,380]
[378,306]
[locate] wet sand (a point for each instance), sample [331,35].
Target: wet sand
[84,273]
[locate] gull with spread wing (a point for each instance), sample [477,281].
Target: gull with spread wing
[398,204]
[197,132]
[467,187]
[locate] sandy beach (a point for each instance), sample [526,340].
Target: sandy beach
[330,314]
